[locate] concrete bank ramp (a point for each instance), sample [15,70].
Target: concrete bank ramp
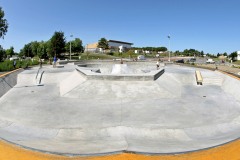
[212,78]
[120,138]
[71,82]
[171,84]
[232,87]
[26,78]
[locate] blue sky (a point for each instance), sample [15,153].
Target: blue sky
[209,25]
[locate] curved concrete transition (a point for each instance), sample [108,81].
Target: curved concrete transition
[71,114]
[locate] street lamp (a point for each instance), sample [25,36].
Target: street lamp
[70,47]
[169,48]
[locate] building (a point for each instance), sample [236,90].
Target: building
[113,46]
[238,55]
[92,48]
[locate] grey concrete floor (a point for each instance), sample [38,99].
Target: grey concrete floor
[170,115]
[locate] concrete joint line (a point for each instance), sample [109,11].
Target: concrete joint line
[7,82]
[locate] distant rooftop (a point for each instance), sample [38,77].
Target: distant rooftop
[120,42]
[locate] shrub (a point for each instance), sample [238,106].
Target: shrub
[110,53]
[7,65]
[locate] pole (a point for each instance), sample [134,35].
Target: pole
[70,50]
[70,47]
[169,48]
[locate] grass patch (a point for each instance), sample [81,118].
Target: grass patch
[237,62]
[90,56]
[110,55]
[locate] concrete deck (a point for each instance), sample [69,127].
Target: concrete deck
[169,115]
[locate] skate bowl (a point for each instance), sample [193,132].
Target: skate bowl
[72,114]
[119,72]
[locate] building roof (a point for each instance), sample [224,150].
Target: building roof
[93,45]
[120,42]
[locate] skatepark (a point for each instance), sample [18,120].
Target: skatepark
[89,109]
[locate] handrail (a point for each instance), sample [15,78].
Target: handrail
[41,77]
[37,73]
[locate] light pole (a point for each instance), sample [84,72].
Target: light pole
[169,48]
[70,46]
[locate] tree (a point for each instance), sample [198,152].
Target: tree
[3,24]
[76,46]
[103,43]
[50,52]
[26,51]
[2,53]
[225,54]
[10,52]
[56,44]
[192,52]
[42,50]
[34,47]
[233,55]
[177,53]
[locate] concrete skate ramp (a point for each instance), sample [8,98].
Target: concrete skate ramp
[69,83]
[170,115]
[107,68]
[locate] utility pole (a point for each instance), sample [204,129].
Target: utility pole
[169,48]
[70,46]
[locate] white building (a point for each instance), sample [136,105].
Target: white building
[113,46]
[147,52]
[238,55]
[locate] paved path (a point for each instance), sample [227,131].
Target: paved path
[223,67]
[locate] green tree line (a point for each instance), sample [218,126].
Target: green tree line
[153,49]
[55,46]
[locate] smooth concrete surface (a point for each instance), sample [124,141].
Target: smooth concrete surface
[71,115]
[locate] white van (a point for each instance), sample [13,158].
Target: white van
[210,61]
[13,58]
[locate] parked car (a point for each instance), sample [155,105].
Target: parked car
[192,60]
[211,61]
[180,61]
[141,57]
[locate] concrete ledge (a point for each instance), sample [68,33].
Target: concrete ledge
[93,74]
[59,66]
[199,78]
[156,76]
